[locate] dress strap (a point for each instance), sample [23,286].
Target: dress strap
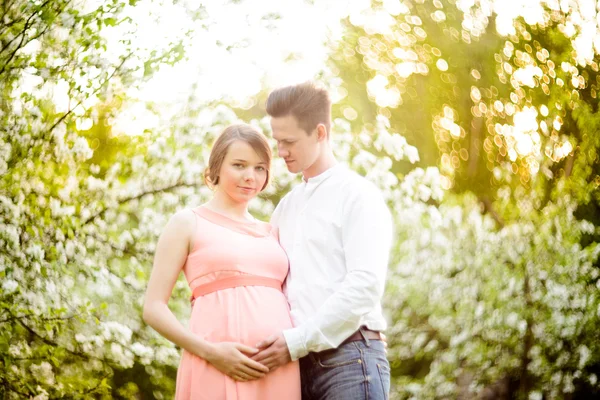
[235,281]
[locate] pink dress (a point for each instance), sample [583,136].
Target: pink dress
[226,249]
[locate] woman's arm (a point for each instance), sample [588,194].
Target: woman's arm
[171,253]
[170,256]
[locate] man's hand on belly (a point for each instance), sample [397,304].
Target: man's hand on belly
[273,352]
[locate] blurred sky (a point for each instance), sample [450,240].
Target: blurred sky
[239,47]
[235,50]
[243,45]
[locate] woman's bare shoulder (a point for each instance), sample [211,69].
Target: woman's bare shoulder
[183,221]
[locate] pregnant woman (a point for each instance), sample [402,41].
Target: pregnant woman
[235,268]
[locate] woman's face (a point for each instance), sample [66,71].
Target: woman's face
[243,173]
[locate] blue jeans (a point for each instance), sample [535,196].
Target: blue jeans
[354,371]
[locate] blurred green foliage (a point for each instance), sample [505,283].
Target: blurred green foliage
[511,118]
[493,285]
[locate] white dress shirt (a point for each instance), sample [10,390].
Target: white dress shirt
[337,232]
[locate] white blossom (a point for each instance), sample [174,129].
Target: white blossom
[20,349]
[81,149]
[9,286]
[116,331]
[144,352]
[42,394]
[43,372]
[536,395]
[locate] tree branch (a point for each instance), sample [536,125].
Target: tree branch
[137,197]
[65,115]
[524,382]
[54,344]
[12,388]
[6,6]
[23,33]
[474,146]
[488,207]
[14,52]
[15,317]
[569,164]
[125,250]
[21,45]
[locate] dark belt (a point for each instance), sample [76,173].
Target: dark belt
[358,335]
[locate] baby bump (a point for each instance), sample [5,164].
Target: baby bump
[246,314]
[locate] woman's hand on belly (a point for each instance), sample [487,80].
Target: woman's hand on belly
[231,358]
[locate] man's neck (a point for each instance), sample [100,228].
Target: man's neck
[322,164]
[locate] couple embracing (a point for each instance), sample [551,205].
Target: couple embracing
[289,309]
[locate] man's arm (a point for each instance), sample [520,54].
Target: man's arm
[366,237]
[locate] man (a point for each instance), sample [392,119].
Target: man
[337,232]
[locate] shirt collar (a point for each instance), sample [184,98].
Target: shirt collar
[324,175]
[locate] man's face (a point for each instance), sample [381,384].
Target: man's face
[299,149]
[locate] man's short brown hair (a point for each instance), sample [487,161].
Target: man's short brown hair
[309,104]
